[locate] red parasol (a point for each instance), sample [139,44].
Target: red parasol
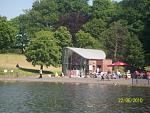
[119,64]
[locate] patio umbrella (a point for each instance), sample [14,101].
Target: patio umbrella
[118,64]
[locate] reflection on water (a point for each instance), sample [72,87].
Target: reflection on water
[70,98]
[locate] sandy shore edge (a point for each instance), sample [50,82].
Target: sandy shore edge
[116,82]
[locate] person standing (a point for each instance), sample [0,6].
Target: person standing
[137,74]
[102,77]
[40,73]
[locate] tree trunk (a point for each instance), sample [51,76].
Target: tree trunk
[42,67]
[22,51]
[116,50]
[22,48]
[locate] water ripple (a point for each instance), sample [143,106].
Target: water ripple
[70,98]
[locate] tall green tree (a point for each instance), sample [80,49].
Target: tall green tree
[122,45]
[103,9]
[43,50]
[114,40]
[85,40]
[95,27]
[134,53]
[63,37]
[51,14]
[22,41]
[137,13]
[22,38]
[7,34]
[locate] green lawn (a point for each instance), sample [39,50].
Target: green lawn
[9,61]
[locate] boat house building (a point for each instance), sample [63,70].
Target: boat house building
[81,62]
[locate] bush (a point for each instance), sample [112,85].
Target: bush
[147,68]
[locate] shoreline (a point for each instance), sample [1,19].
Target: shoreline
[114,82]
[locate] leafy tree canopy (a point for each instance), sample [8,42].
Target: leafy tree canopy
[134,53]
[43,50]
[63,37]
[137,13]
[103,9]
[85,40]
[51,14]
[7,34]
[114,39]
[121,45]
[106,23]
[95,27]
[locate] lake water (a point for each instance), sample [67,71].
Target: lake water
[20,97]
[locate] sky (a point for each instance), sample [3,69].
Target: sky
[13,8]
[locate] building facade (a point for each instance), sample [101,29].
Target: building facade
[82,62]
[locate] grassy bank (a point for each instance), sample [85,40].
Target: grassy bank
[147,62]
[9,61]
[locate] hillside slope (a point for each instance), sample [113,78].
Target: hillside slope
[11,60]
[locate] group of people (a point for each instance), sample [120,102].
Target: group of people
[139,74]
[109,75]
